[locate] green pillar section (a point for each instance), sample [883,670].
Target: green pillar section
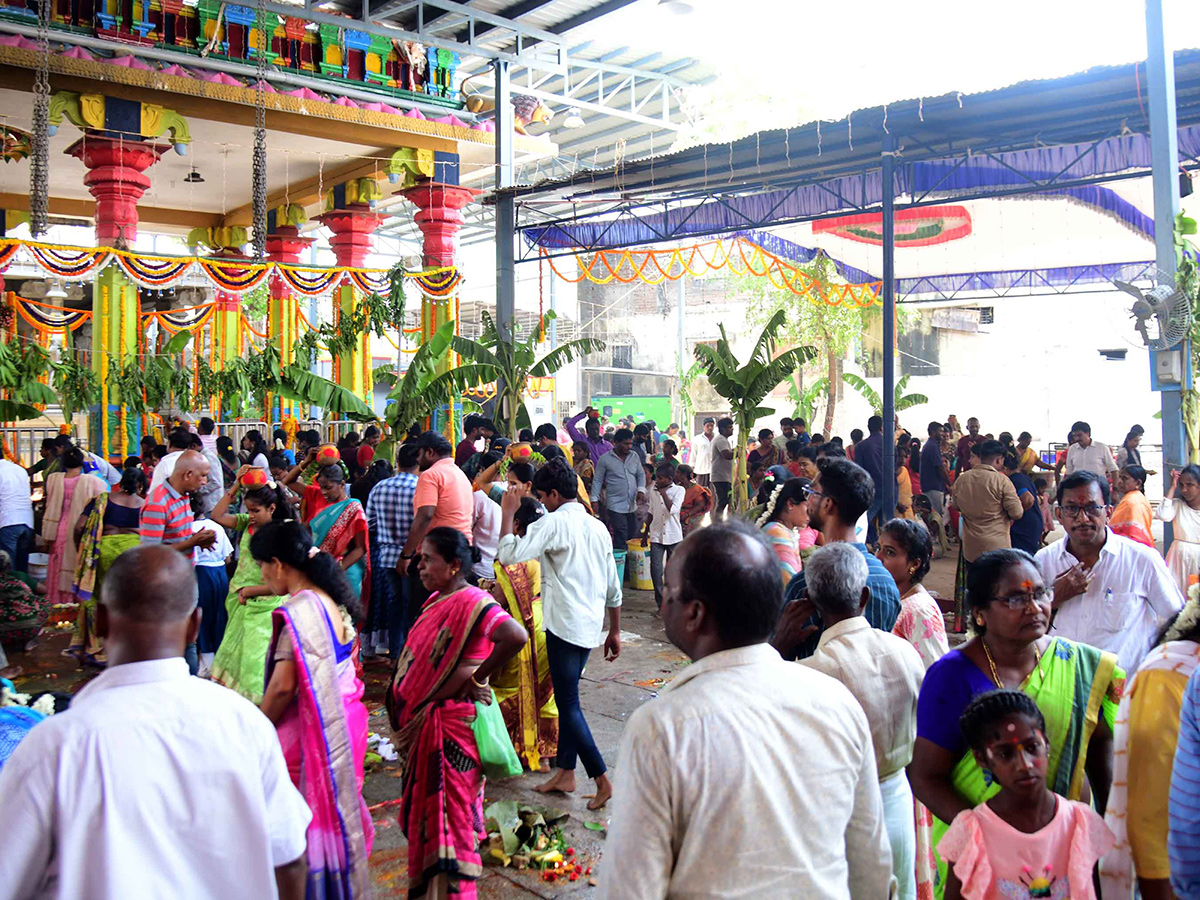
[115,311]
[350,374]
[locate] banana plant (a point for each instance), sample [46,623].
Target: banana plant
[746,385]
[902,400]
[511,364]
[804,405]
[20,371]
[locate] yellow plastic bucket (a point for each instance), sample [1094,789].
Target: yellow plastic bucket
[637,566]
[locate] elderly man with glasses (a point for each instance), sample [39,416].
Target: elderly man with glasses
[1109,591]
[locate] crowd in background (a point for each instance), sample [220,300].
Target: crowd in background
[1030,755]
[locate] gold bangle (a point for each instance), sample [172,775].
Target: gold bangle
[477,683]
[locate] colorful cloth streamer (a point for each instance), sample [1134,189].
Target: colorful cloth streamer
[368,282]
[309,282]
[439,284]
[235,277]
[154,272]
[8,252]
[67,262]
[739,255]
[47,317]
[180,319]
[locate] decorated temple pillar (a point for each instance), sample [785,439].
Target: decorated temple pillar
[439,216]
[284,245]
[116,178]
[348,215]
[117,148]
[225,330]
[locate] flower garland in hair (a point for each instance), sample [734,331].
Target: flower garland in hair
[1188,617]
[769,510]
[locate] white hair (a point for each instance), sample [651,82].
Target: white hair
[836,575]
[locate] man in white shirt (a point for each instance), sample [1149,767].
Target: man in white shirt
[701,458]
[748,777]
[884,673]
[16,512]
[485,533]
[153,783]
[579,582]
[666,531]
[1086,455]
[722,465]
[1109,591]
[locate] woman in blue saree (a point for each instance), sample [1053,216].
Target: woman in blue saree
[340,529]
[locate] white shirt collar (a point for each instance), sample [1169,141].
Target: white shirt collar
[1107,547]
[145,672]
[724,659]
[846,626]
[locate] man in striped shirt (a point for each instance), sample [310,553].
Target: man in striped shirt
[167,515]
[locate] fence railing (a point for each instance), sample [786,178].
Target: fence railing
[26,441]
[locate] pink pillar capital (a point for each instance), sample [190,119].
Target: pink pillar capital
[116,178]
[439,216]
[353,229]
[284,245]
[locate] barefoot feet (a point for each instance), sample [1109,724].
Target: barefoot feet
[561,782]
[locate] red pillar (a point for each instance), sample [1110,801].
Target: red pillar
[439,216]
[116,178]
[284,245]
[353,229]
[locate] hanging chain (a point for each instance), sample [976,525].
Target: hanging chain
[260,137]
[39,169]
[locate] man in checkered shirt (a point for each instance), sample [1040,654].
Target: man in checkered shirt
[390,515]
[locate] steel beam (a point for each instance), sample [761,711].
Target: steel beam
[506,273]
[887,507]
[1164,161]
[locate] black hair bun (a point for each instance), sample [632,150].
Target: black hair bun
[476,555]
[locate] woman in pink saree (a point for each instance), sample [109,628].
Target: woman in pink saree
[314,697]
[461,638]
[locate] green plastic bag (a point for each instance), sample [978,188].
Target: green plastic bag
[496,751]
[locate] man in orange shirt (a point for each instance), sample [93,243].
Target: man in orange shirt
[443,497]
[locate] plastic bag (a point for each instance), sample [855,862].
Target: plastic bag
[496,751]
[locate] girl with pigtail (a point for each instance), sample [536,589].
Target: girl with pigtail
[240,662]
[784,516]
[314,698]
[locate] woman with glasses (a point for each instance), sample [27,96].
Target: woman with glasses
[1183,557]
[1076,687]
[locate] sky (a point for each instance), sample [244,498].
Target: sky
[785,62]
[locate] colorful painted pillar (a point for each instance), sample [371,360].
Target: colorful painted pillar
[116,178]
[352,224]
[284,245]
[440,217]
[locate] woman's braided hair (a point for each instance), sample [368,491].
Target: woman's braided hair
[989,708]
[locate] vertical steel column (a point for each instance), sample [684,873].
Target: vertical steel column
[889,333]
[681,348]
[1164,161]
[506,275]
[552,331]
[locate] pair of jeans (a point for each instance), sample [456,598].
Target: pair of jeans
[723,489]
[624,528]
[874,515]
[397,623]
[659,554]
[15,540]
[192,656]
[567,663]
[415,597]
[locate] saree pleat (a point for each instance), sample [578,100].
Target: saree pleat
[442,806]
[523,687]
[324,740]
[334,529]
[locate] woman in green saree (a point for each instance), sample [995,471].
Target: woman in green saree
[522,685]
[107,528]
[1077,688]
[241,660]
[340,529]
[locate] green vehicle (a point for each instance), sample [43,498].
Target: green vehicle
[641,408]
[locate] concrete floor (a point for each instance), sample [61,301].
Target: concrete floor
[610,692]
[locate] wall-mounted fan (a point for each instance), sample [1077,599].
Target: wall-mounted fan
[1161,313]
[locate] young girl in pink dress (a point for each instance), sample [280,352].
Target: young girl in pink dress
[1026,841]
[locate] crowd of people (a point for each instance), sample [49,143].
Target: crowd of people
[1030,760]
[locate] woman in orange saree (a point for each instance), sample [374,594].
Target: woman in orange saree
[461,638]
[1133,515]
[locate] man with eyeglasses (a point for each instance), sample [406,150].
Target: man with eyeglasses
[1109,591]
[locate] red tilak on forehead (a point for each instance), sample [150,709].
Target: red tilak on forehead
[1027,585]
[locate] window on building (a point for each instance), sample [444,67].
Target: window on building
[622,358]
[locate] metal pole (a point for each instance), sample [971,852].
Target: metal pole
[1164,163]
[681,348]
[889,333]
[506,272]
[552,331]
